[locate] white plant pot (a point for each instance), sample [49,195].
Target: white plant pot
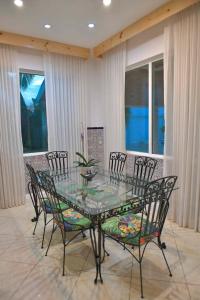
[87,170]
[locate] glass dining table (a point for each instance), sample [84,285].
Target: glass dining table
[105,195]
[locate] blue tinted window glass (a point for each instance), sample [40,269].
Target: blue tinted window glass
[33,113]
[137,109]
[158,124]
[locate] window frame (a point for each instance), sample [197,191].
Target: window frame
[34,72]
[148,62]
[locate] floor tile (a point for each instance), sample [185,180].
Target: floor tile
[188,245]
[26,273]
[9,226]
[119,263]
[26,250]
[46,283]
[5,243]
[113,288]
[75,259]
[12,276]
[193,276]
[158,290]
[154,266]
[194,291]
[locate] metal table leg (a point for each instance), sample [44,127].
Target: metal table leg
[97,246]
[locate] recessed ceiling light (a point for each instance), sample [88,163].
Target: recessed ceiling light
[47,26]
[106,2]
[19,3]
[91,25]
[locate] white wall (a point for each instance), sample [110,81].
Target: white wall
[95,101]
[29,59]
[145,45]
[137,53]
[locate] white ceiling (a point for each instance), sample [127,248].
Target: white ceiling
[69,18]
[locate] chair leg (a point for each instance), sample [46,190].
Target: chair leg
[34,199]
[161,245]
[36,222]
[52,232]
[64,237]
[170,273]
[140,263]
[45,222]
[35,226]
[104,249]
[83,234]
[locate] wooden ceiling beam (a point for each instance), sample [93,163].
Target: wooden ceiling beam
[160,14]
[43,45]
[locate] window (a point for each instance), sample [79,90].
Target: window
[144,108]
[33,112]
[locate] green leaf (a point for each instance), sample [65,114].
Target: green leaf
[93,162]
[81,156]
[76,162]
[79,164]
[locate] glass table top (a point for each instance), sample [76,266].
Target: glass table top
[104,192]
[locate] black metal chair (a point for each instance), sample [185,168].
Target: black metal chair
[38,196]
[33,196]
[137,230]
[117,161]
[57,160]
[144,168]
[68,220]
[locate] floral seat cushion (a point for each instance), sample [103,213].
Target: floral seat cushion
[73,220]
[127,227]
[48,207]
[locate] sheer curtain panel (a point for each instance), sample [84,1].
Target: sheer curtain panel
[113,66]
[182,106]
[12,189]
[66,90]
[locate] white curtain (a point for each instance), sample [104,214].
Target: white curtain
[66,92]
[182,103]
[113,86]
[12,182]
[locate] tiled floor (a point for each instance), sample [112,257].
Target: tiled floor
[26,274]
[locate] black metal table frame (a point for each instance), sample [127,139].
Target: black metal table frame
[97,245]
[133,204]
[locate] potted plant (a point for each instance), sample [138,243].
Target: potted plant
[87,166]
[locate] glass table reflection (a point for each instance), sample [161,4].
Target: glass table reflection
[106,194]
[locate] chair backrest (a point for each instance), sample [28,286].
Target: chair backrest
[32,174]
[36,187]
[156,205]
[47,184]
[144,167]
[117,161]
[57,160]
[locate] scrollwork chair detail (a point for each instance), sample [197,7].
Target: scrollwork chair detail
[117,161]
[144,168]
[68,220]
[36,191]
[138,230]
[57,160]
